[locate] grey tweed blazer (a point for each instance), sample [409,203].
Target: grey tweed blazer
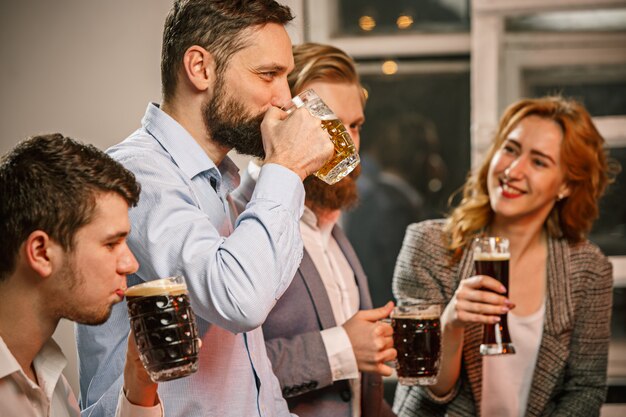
[570,375]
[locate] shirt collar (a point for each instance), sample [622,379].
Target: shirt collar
[49,364]
[185,151]
[8,363]
[310,220]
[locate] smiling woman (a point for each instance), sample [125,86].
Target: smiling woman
[525,175]
[539,187]
[587,171]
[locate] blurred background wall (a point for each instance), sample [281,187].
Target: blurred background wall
[83,68]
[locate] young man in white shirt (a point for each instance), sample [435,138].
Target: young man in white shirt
[63,254]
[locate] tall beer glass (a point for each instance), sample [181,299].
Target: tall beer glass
[346,158]
[491,258]
[165,328]
[417,339]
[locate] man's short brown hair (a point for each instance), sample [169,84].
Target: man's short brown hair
[51,183]
[216,25]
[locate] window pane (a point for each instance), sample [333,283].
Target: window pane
[601,88]
[415,151]
[365,17]
[569,21]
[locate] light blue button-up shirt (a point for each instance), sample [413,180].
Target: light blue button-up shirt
[184,225]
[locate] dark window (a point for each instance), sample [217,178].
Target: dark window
[375,17]
[415,151]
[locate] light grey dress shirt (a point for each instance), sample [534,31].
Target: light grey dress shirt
[236,266]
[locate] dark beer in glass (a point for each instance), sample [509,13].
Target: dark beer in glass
[164,327]
[491,258]
[417,339]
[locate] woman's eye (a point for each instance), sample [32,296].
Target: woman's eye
[509,149]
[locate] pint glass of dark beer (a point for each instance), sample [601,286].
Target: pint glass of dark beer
[165,328]
[346,158]
[491,258]
[417,339]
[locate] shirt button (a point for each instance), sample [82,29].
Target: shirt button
[345,395]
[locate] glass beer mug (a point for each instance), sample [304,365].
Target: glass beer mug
[165,328]
[346,158]
[417,339]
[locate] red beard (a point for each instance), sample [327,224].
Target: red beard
[342,195]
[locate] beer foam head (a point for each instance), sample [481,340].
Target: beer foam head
[157,287]
[491,248]
[416,315]
[486,256]
[413,310]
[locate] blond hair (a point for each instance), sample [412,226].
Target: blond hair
[314,61]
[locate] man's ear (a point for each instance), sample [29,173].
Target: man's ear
[40,252]
[199,67]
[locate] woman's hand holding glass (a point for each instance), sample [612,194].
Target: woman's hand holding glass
[478,299]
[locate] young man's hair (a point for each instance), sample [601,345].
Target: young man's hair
[318,62]
[219,26]
[51,183]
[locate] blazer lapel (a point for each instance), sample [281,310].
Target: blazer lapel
[472,336]
[554,346]
[353,260]
[317,291]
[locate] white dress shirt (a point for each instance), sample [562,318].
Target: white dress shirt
[343,293]
[53,397]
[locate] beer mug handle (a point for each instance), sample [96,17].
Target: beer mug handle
[392,364]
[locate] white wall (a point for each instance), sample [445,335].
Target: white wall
[86,69]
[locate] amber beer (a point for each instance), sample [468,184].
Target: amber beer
[491,258]
[346,157]
[417,339]
[164,327]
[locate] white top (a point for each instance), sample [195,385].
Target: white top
[53,397]
[343,293]
[507,378]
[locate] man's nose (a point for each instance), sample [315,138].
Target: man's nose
[127,263]
[281,96]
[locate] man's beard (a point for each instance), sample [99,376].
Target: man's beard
[229,124]
[342,195]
